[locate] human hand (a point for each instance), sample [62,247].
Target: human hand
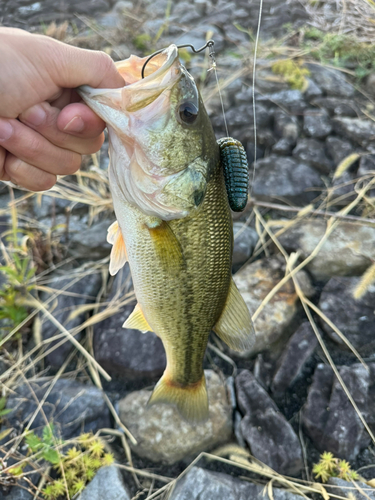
[44,129]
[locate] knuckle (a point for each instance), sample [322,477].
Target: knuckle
[34,147]
[46,182]
[73,163]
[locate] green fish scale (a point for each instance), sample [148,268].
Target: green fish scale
[236,173]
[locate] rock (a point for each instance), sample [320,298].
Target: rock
[338,149]
[329,418]
[255,281]
[348,251]
[197,36]
[359,491]
[126,352]
[355,318]
[283,147]
[337,106]
[356,129]
[286,126]
[46,205]
[92,241]
[331,81]
[108,484]
[185,13]
[17,493]
[291,100]
[316,123]
[312,152]
[199,484]
[245,239]
[163,436]
[263,370]
[71,406]
[78,289]
[370,84]
[366,165]
[269,435]
[285,178]
[297,352]
[312,90]
[344,187]
[243,115]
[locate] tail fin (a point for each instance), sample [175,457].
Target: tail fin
[191,401]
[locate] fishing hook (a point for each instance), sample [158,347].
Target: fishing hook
[209,44]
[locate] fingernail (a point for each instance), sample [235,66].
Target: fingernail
[35,115]
[76,124]
[6,130]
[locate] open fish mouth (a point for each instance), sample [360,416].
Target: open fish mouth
[156,160]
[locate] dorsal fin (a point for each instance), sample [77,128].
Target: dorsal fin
[137,321]
[235,326]
[118,253]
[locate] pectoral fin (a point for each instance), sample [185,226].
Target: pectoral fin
[235,326]
[168,248]
[118,253]
[137,321]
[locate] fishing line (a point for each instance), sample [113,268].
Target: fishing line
[213,67]
[253,92]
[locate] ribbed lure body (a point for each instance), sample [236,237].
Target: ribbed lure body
[236,173]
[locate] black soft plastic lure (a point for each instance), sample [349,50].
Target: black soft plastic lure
[236,172]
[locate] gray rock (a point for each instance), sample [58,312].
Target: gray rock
[245,239]
[285,125]
[285,178]
[269,435]
[291,100]
[316,123]
[283,147]
[344,187]
[107,484]
[331,81]
[328,416]
[77,288]
[17,493]
[197,36]
[359,491]
[312,152]
[199,484]
[243,116]
[263,370]
[366,165]
[348,251]
[355,318]
[338,149]
[356,129]
[92,241]
[337,106]
[255,281]
[162,434]
[72,407]
[47,205]
[313,90]
[297,352]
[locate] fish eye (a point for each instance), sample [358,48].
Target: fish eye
[188,112]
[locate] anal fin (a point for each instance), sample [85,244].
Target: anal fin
[235,326]
[118,253]
[137,321]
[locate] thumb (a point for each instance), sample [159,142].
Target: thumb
[77,67]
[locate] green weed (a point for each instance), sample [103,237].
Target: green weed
[74,467]
[329,466]
[293,72]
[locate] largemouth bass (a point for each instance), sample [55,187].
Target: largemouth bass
[174,224]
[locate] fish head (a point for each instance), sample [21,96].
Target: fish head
[162,146]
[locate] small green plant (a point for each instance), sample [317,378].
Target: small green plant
[18,272]
[293,72]
[74,467]
[142,42]
[3,411]
[329,466]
